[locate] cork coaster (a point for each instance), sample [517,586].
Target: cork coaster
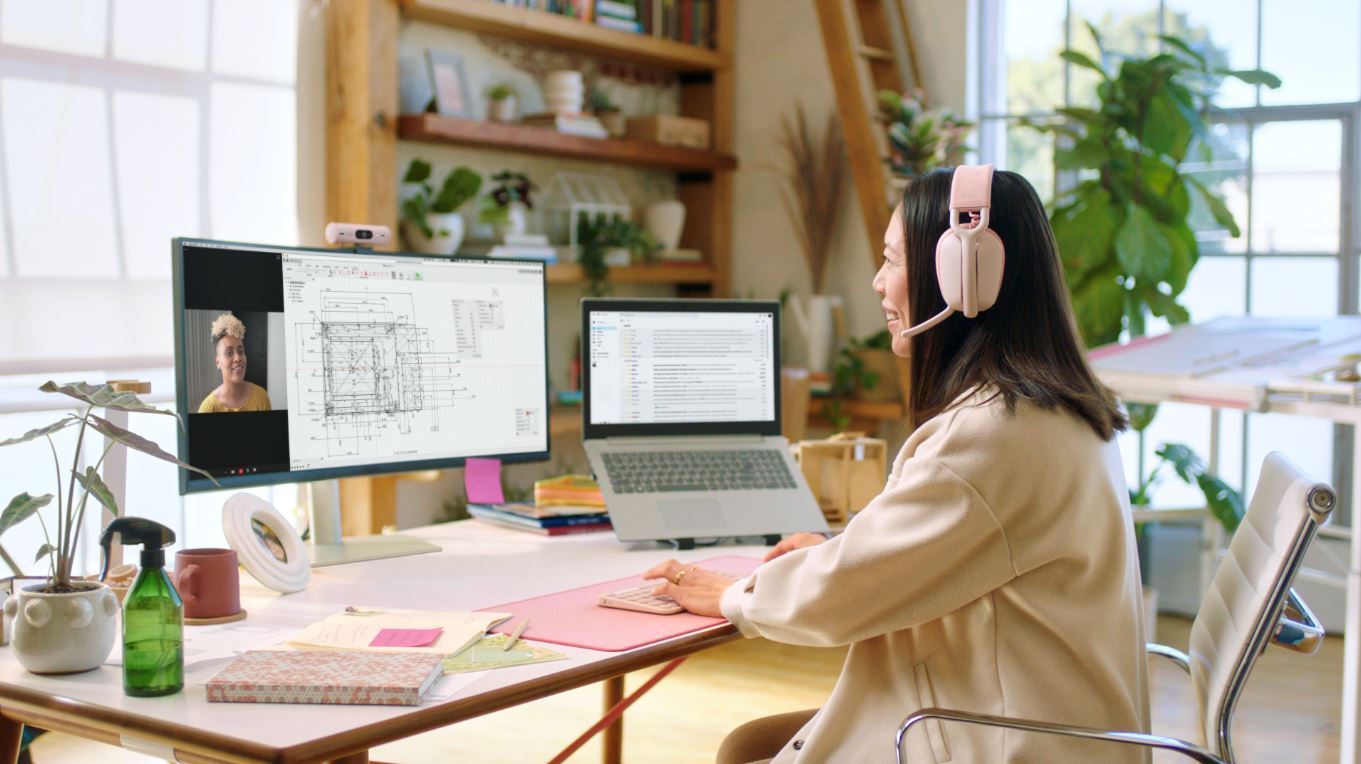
[241,616]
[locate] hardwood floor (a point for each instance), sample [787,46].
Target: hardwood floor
[1289,713]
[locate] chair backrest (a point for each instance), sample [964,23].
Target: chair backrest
[1241,608]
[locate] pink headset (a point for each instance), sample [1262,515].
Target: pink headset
[969,256]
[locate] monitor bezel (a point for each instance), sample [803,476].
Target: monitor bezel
[192,482]
[759,427]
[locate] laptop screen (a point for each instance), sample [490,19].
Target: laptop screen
[680,367]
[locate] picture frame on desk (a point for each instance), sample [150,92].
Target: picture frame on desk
[449,83]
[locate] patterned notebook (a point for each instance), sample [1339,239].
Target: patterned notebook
[323,676]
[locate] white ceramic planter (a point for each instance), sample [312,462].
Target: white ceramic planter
[815,317]
[664,220]
[614,123]
[441,243]
[516,221]
[62,633]
[501,109]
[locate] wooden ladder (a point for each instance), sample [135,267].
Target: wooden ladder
[859,44]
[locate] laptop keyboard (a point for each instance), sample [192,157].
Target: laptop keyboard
[667,471]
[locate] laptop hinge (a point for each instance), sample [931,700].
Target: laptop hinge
[681,440]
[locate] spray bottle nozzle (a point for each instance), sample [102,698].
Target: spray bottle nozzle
[137,531]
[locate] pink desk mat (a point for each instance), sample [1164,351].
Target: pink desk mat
[573,618]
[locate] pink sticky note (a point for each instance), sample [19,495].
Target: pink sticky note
[482,481]
[406,637]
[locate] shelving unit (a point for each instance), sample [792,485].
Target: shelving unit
[364,126]
[864,415]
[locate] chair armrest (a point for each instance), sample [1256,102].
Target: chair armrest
[1190,750]
[1171,653]
[1298,629]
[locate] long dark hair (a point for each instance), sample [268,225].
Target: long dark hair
[1025,347]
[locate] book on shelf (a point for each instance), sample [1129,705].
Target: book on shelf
[682,256]
[326,676]
[620,25]
[587,125]
[513,522]
[547,254]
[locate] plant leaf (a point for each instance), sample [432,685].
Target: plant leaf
[1142,247]
[138,443]
[1223,501]
[1084,231]
[1185,461]
[1181,46]
[416,172]
[1185,253]
[44,551]
[1082,59]
[1141,415]
[104,396]
[1166,127]
[1098,303]
[41,431]
[94,485]
[1165,306]
[1252,76]
[21,508]
[1218,209]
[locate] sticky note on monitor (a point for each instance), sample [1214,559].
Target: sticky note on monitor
[482,481]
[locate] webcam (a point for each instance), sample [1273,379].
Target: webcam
[357,234]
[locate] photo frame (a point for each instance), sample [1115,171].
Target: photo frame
[449,83]
[267,545]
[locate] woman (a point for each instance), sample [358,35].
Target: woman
[996,573]
[229,355]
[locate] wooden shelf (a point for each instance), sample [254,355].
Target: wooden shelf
[660,273]
[507,136]
[864,410]
[543,28]
[564,420]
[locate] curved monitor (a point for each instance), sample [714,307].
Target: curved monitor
[297,364]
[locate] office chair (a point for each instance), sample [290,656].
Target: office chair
[1249,604]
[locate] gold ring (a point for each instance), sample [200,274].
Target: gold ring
[679,576]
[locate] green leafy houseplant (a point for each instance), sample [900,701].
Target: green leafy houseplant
[510,187]
[460,185]
[598,235]
[599,100]
[1123,230]
[500,92]
[1225,503]
[920,139]
[62,539]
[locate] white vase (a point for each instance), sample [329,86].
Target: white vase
[516,221]
[448,230]
[664,220]
[816,319]
[501,109]
[62,633]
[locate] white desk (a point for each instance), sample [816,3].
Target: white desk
[480,566]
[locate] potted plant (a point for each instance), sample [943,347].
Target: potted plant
[919,139]
[501,103]
[603,241]
[874,354]
[66,625]
[508,203]
[607,111]
[430,220]
[1124,232]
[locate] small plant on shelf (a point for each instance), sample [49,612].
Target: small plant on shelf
[433,223]
[604,107]
[501,99]
[597,235]
[850,376]
[499,205]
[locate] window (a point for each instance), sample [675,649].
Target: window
[1280,158]
[124,123]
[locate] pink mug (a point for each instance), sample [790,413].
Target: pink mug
[208,582]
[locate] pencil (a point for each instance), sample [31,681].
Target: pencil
[519,631]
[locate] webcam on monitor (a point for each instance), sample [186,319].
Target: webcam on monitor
[358,234]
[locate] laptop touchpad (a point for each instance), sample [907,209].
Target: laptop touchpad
[680,514]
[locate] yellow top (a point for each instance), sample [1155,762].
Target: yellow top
[258,400]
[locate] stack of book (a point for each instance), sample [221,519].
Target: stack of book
[689,21]
[562,505]
[585,125]
[621,15]
[525,246]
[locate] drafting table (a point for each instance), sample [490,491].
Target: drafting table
[1284,366]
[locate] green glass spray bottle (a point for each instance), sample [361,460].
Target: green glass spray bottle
[153,613]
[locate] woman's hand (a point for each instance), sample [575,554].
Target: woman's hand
[794,541]
[698,590]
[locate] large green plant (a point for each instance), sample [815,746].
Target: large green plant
[63,538]
[920,139]
[1123,230]
[1225,503]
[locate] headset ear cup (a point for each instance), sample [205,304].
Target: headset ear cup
[991,265]
[949,270]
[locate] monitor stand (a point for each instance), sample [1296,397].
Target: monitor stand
[329,548]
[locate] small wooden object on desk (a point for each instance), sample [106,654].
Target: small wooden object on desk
[670,130]
[844,471]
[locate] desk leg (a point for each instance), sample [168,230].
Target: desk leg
[11,735]
[1351,646]
[613,740]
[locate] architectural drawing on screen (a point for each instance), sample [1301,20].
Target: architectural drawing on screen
[374,378]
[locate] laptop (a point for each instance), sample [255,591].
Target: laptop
[681,409]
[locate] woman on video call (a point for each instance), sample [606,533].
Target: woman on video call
[996,573]
[229,354]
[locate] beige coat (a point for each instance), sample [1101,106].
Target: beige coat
[996,573]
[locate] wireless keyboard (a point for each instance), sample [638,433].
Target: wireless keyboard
[642,600]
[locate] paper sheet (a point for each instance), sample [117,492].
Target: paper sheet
[356,629]
[489,653]
[219,642]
